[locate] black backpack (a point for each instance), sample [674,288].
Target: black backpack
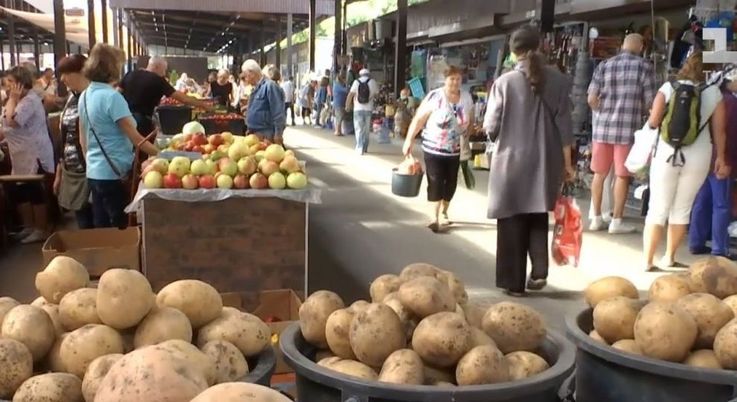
[682,123]
[364,91]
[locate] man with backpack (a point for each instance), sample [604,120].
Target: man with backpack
[361,98]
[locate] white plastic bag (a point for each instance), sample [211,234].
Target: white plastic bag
[639,157]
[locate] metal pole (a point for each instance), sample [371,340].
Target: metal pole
[120,27]
[91,22]
[277,48]
[261,40]
[338,45]
[345,29]
[290,32]
[12,35]
[60,41]
[105,38]
[400,52]
[130,42]
[313,32]
[36,48]
[2,56]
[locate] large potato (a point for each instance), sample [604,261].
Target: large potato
[79,308]
[669,288]
[86,344]
[95,373]
[384,285]
[354,369]
[714,275]
[514,327]
[403,367]
[628,345]
[337,333]
[359,305]
[456,287]
[606,288]
[442,339]
[474,313]
[162,324]
[418,269]
[710,313]
[434,376]
[482,365]
[6,304]
[665,331]
[30,326]
[52,361]
[614,319]
[725,345]
[246,331]
[240,392]
[61,276]
[480,338]
[204,362]
[392,300]
[53,387]
[230,365]
[199,301]
[124,297]
[596,337]
[730,301]
[704,358]
[40,302]
[16,366]
[314,313]
[53,311]
[524,365]
[376,333]
[425,296]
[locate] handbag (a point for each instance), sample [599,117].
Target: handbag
[568,231]
[641,153]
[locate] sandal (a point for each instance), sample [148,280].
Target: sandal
[434,226]
[536,284]
[444,220]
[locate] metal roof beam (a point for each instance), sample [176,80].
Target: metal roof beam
[324,7]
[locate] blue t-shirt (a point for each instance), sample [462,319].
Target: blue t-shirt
[106,107]
[340,94]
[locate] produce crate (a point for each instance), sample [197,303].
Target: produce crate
[173,118]
[217,126]
[97,249]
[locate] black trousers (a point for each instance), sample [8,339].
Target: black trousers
[442,176]
[289,107]
[518,237]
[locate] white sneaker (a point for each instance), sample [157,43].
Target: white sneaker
[619,227]
[34,237]
[597,224]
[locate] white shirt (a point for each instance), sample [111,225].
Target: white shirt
[288,87]
[373,88]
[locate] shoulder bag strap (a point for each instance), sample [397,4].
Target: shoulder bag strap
[102,149]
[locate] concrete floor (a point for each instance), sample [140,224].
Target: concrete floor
[361,231]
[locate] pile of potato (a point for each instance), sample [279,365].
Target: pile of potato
[420,329]
[688,318]
[121,342]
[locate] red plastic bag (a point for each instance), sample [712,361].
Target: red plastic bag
[410,166]
[568,232]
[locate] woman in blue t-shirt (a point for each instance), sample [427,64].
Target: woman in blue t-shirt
[340,94]
[109,136]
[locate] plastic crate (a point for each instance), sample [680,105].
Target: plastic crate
[418,90]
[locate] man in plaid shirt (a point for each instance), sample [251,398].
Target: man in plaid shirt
[620,94]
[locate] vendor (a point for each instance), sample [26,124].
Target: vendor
[222,89]
[266,116]
[143,90]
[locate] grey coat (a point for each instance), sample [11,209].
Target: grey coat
[528,165]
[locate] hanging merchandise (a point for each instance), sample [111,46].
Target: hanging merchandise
[418,63]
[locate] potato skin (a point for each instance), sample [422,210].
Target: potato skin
[246,331]
[609,287]
[403,367]
[419,269]
[30,326]
[384,285]
[514,327]
[482,365]
[665,331]
[50,387]
[425,296]
[337,333]
[199,301]
[479,338]
[714,275]
[240,392]
[16,363]
[230,364]
[354,369]
[614,318]
[710,313]
[79,308]
[161,325]
[669,288]
[61,276]
[95,374]
[442,339]
[703,358]
[524,365]
[6,304]
[376,333]
[596,337]
[628,345]
[725,345]
[53,311]
[86,344]
[314,313]
[124,298]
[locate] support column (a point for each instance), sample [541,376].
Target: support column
[262,44]
[36,48]
[338,41]
[344,40]
[119,35]
[60,42]
[2,58]
[290,32]
[105,38]
[313,33]
[400,52]
[11,35]
[277,48]
[130,42]
[91,23]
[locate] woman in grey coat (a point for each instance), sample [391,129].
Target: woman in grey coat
[529,117]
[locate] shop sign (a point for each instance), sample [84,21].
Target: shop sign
[720,54]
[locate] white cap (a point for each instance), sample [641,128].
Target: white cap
[364,72]
[731,75]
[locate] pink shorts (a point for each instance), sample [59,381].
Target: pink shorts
[604,155]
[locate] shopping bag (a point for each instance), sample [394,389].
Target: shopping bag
[638,160]
[468,176]
[568,232]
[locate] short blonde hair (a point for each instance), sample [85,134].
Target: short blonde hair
[104,64]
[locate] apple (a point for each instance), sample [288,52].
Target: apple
[207,181]
[259,156]
[212,166]
[198,149]
[252,140]
[216,140]
[277,181]
[225,182]
[153,179]
[199,139]
[199,167]
[262,146]
[253,149]
[172,180]
[179,166]
[258,181]
[208,149]
[224,148]
[228,137]
[289,152]
[217,155]
[268,167]
[290,164]
[228,167]
[189,146]
[297,180]
[247,166]
[238,151]
[190,182]
[274,153]
[241,182]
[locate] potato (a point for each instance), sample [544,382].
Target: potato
[204,362]
[474,313]
[392,300]
[123,298]
[710,313]
[314,313]
[614,319]
[53,387]
[40,302]
[95,373]
[359,305]
[482,365]
[714,275]
[86,344]
[595,336]
[328,361]
[479,338]
[456,287]
[230,365]
[16,366]
[435,376]
[30,326]
[246,331]
[443,384]
[384,285]
[442,339]
[6,304]
[61,276]
[163,324]
[425,296]
[669,288]
[725,345]
[403,367]
[628,345]
[240,392]
[354,369]
[52,361]
[337,332]
[609,287]
[375,334]
[704,358]
[514,327]
[665,331]
[199,301]
[324,354]
[525,365]
[230,311]
[53,311]
[419,269]
[79,308]
[152,371]
[730,301]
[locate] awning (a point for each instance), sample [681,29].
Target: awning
[323,7]
[76,27]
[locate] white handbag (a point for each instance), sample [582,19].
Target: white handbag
[641,153]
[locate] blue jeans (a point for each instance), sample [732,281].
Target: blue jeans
[362,125]
[85,218]
[711,216]
[108,202]
[318,111]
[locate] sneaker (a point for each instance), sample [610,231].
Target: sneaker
[35,237]
[619,227]
[536,284]
[22,234]
[597,224]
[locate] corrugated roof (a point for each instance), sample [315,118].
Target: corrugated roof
[324,7]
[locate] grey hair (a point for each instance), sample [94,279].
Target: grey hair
[251,66]
[155,61]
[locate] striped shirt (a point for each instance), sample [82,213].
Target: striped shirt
[626,85]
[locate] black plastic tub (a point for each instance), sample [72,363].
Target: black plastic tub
[217,126]
[604,374]
[173,118]
[318,384]
[406,185]
[261,368]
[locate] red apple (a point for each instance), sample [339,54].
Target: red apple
[199,139]
[208,149]
[189,146]
[259,181]
[171,180]
[198,149]
[241,182]
[262,146]
[190,182]
[216,140]
[207,181]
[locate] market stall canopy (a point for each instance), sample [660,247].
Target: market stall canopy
[323,7]
[76,27]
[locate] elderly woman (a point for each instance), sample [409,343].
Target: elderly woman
[266,116]
[443,118]
[529,117]
[222,89]
[31,152]
[109,137]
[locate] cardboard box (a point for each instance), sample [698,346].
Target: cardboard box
[97,249]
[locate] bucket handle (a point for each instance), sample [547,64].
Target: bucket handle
[567,391]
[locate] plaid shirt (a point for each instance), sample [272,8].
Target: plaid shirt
[626,85]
